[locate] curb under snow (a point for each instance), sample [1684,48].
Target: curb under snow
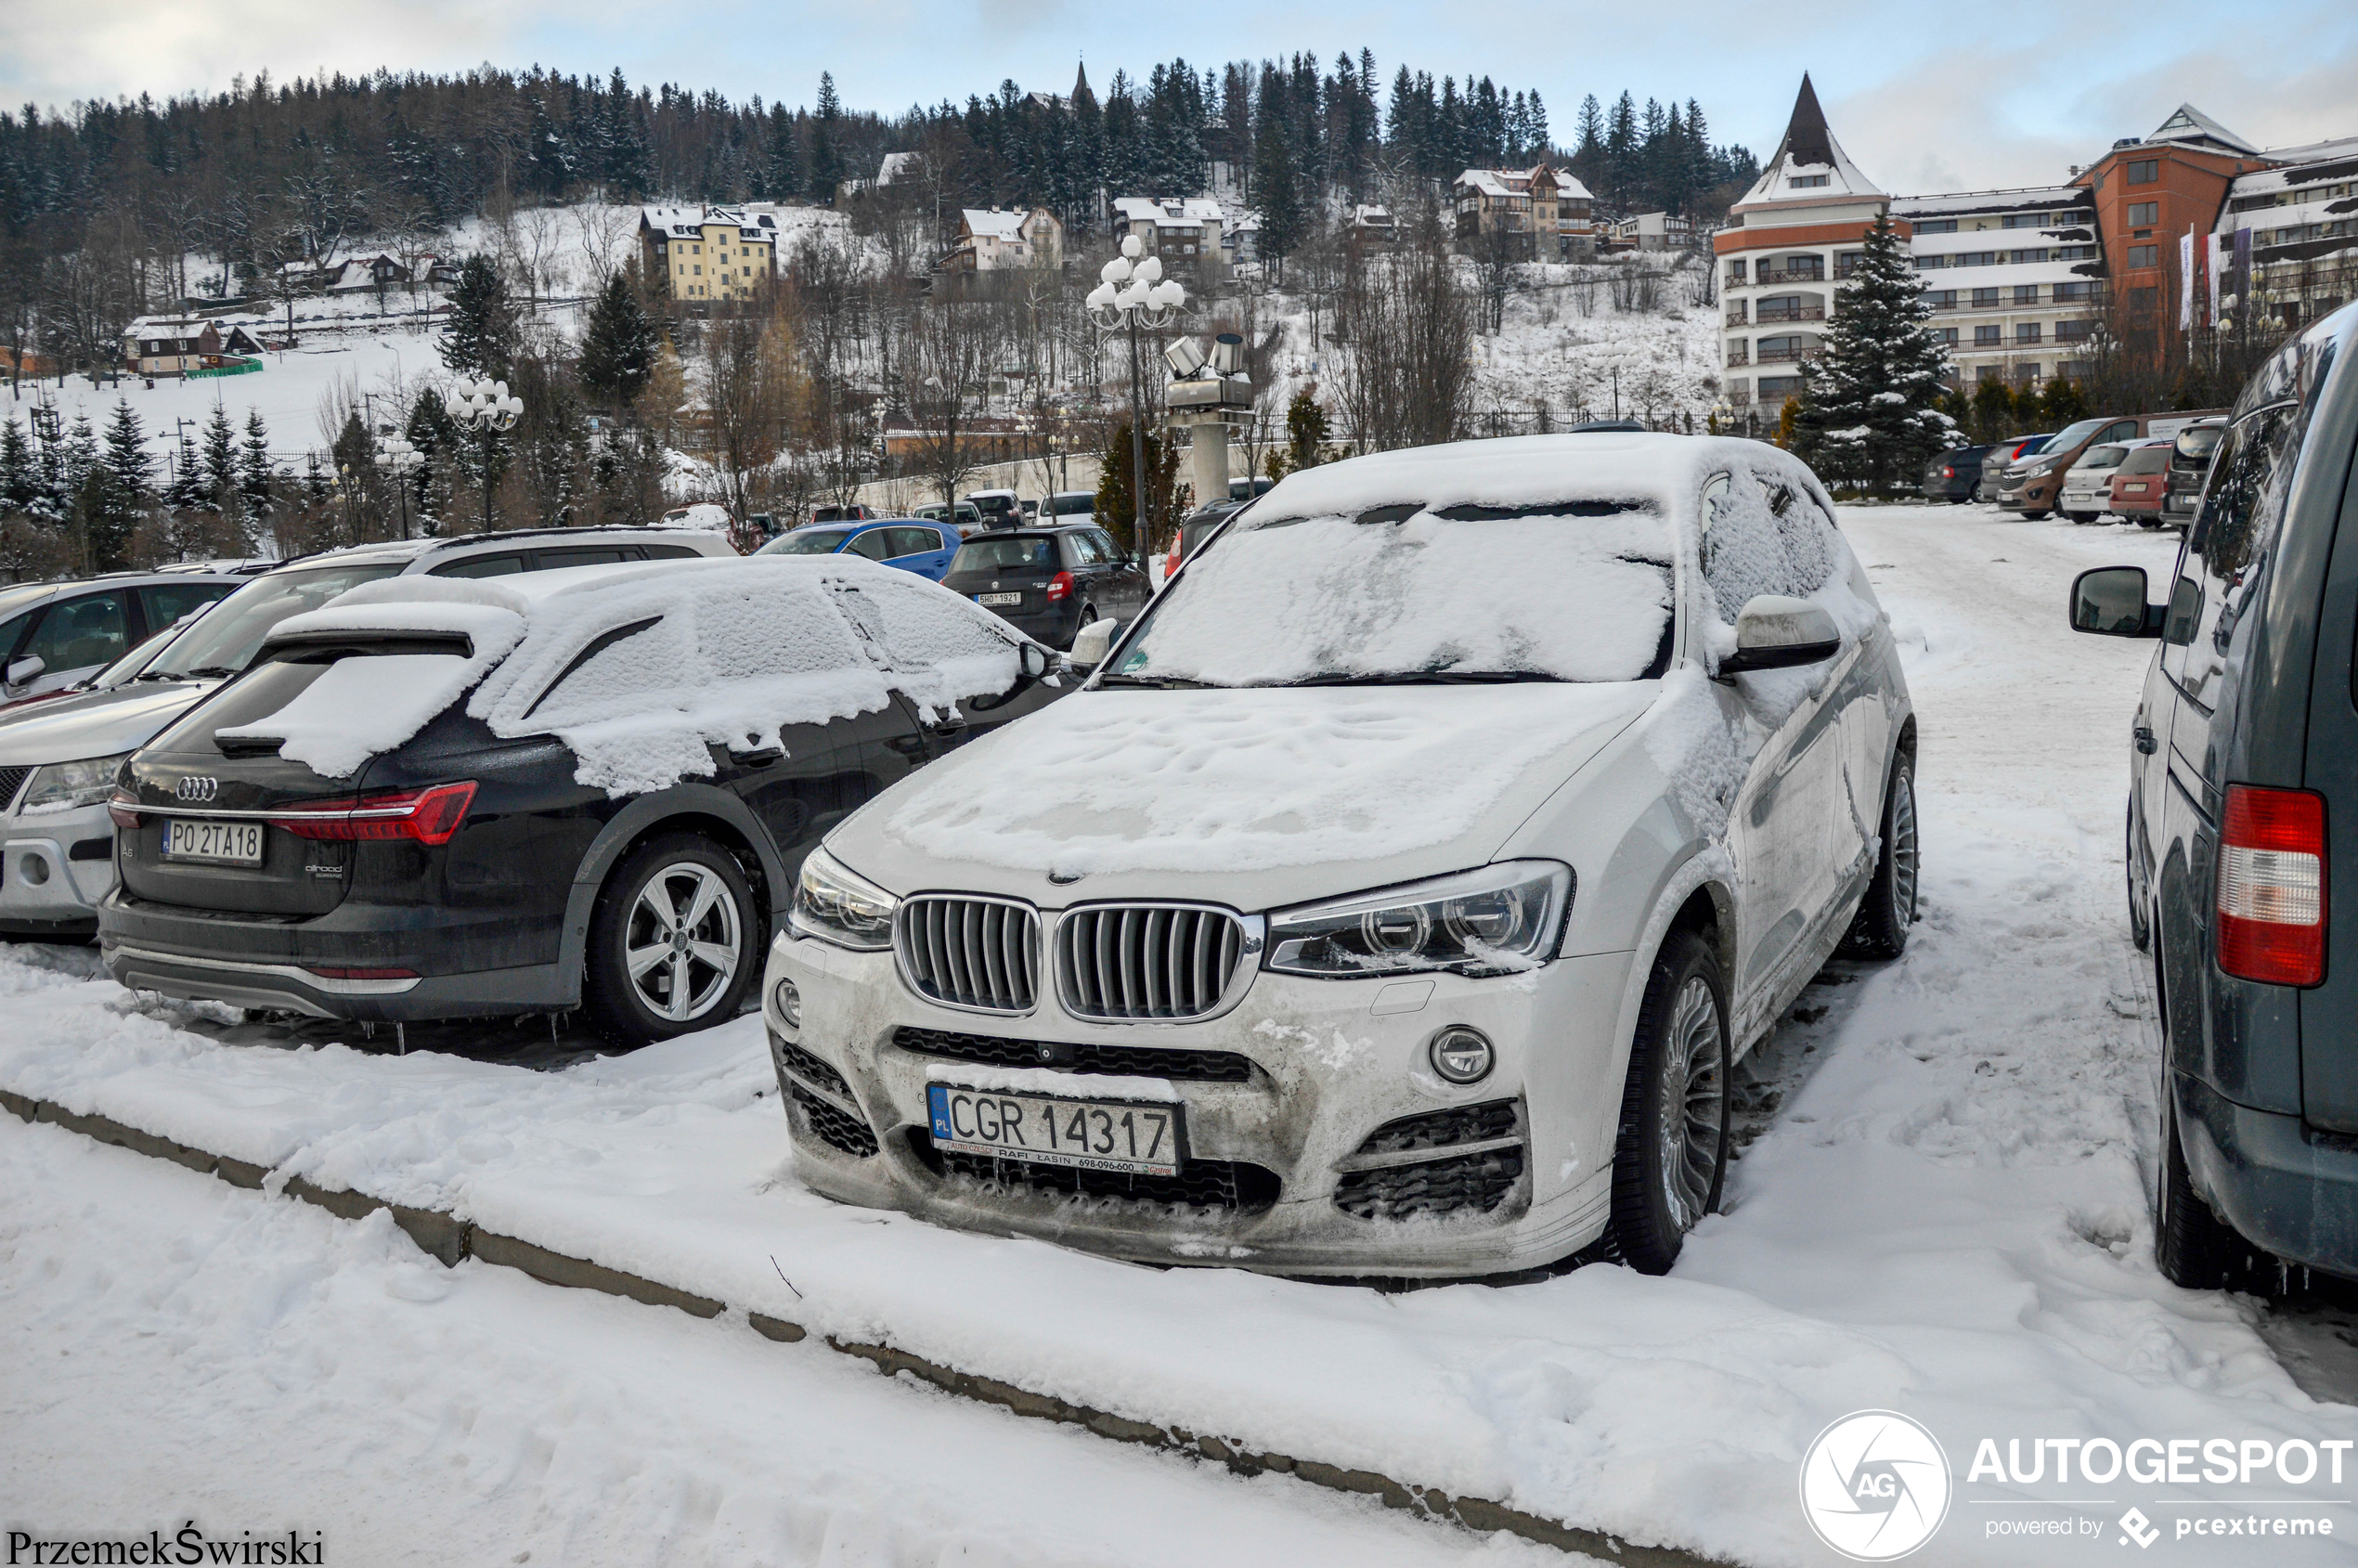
[450,1239]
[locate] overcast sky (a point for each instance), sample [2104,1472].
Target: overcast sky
[1923,97]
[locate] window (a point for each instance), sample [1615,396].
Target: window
[77,633]
[2023,257]
[167,602]
[2074,332]
[2025,294]
[2076,252]
[594,555]
[2144,255]
[2026,332]
[1941,299]
[2228,549]
[876,544]
[481,566]
[1974,258]
[2024,220]
[1801,181]
[1081,549]
[1736,272]
[1931,264]
[2027,373]
[1947,335]
[1936,225]
[2143,302]
[2144,171]
[1985,299]
[1105,547]
[2070,292]
[912,541]
[2144,215]
[1780,387]
[1989,336]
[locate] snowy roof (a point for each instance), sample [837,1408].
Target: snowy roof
[1965,202]
[1809,152]
[993,224]
[1166,209]
[2187,124]
[1497,183]
[2335,161]
[688,223]
[897,164]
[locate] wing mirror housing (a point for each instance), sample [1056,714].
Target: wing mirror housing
[1776,632]
[1036,661]
[24,671]
[2110,602]
[1090,646]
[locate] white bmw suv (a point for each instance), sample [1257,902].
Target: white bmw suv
[1398,894]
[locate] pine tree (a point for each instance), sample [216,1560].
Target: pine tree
[186,492]
[257,486]
[19,476]
[1116,506]
[119,483]
[1307,433]
[826,157]
[480,338]
[1867,413]
[618,344]
[1277,194]
[218,486]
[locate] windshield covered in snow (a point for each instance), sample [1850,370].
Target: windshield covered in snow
[1402,593]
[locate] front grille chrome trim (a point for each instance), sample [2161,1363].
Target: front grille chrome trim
[971,953]
[1153,961]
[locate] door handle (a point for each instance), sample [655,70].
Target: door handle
[2144,737]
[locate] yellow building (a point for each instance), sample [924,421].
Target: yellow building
[708,254]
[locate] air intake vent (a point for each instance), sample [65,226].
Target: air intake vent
[978,953]
[1147,961]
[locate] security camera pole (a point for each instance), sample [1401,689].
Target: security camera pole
[1131,292]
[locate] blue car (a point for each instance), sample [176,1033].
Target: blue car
[923,548]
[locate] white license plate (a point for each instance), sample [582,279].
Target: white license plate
[193,838]
[1128,1136]
[998,600]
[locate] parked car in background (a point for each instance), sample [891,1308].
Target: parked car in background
[911,546]
[1953,475]
[1245,490]
[1994,462]
[1194,529]
[962,517]
[2138,485]
[840,512]
[2241,848]
[55,635]
[57,843]
[2032,483]
[1366,913]
[2087,485]
[1050,582]
[704,516]
[2190,452]
[1072,505]
[998,509]
[584,789]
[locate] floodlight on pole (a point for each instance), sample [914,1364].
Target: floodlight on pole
[486,407]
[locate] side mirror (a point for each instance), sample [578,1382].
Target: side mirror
[1090,646]
[2110,602]
[24,671]
[1036,660]
[1775,632]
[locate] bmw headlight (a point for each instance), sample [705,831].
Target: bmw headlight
[837,905]
[62,787]
[1497,919]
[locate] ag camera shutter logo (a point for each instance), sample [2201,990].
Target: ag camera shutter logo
[1875,1485]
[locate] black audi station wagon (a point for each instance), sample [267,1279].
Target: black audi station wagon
[589,788]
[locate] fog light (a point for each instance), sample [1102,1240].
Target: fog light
[789,1003]
[1460,1055]
[35,868]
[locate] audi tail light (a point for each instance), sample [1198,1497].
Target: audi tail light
[430,816]
[2272,886]
[1059,586]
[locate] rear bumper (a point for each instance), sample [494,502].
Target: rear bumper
[249,962]
[2287,1188]
[1055,627]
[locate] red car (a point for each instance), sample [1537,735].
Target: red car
[2141,483]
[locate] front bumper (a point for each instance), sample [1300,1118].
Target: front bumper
[1329,1063]
[54,867]
[2287,1188]
[2034,493]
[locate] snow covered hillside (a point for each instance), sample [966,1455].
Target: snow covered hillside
[1940,1209]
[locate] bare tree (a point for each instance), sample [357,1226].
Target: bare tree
[1406,378]
[751,384]
[947,356]
[609,235]
[539,247]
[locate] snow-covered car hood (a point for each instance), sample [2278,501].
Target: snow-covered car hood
[95,723]
[1254,798]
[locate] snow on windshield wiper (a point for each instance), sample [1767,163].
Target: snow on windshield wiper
[1160,682]
[1429,678]
[210,672]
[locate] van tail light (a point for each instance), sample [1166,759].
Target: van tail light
[123,806]
[1948,474]
[1058,586]
[2272,886]
[430,816]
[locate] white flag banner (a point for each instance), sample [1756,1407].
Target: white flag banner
[2217,264]
[2186,281]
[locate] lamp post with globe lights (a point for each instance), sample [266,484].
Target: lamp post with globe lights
[1131,292]
[400,459]
[486,407]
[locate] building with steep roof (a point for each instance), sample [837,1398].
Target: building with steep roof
[1543,213]
[991,241]
[707,253]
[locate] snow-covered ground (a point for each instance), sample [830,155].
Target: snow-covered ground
[1940,1209]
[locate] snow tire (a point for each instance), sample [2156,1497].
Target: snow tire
[2194,1247]
[1666,1178]
[1879,929]
[714,947]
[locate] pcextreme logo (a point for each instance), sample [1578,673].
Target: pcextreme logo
[1875,1485]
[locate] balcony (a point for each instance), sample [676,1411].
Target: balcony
[1768,311]
[1816,273]
[1739,354]
[1735,313]
[1787,355]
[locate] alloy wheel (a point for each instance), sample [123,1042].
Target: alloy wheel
[681,948]
[1694,1104]
[1904,849]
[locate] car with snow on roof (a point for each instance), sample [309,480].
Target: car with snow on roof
[59,757]
[440,797]
[1399,894]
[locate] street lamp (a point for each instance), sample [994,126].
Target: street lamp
[1131,292]
[400,459]
[483,405]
